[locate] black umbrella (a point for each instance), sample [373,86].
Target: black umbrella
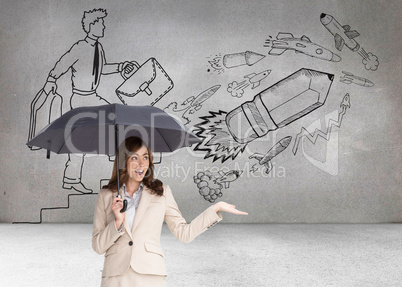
[101,129]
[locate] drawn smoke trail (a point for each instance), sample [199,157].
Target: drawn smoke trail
[370,61]
[216,138]
[319,133]
[237,89]
[216,64]
[207,186]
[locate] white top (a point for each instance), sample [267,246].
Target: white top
[132,203]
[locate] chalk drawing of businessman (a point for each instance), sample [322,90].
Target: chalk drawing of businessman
[87,62]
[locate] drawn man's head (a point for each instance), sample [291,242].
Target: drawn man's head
[92,22]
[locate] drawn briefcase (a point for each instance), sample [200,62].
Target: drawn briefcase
[145,85]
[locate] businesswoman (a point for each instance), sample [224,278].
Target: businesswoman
[131,240]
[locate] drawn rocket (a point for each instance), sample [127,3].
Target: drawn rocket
[277,106]
[205,95]
[286,41]
[239,59]
[255,79]
[193,104]
[349,78]
[342,34]
[345,102]
[273,152]
[228,177]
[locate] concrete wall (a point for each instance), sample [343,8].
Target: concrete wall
[349,170]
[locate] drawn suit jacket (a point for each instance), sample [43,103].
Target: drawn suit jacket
[140,248]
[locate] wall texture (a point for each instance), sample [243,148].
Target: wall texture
[319,143]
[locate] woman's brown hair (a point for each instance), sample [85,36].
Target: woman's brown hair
[130,145]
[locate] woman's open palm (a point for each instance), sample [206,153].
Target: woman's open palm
[230,208]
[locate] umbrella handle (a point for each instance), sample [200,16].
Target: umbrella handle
[124,206]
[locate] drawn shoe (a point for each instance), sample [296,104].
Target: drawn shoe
[80,187]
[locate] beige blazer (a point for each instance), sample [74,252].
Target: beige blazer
[140,247]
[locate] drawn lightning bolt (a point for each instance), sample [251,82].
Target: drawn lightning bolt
[319,133]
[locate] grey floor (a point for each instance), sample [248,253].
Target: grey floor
[226,255]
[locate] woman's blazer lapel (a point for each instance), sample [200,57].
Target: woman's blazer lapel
[142,207]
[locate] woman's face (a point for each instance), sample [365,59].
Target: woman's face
[137,164]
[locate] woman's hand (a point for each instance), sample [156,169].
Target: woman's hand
[223,206]
[117,205]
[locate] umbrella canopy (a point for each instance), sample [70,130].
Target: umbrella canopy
[96,129]
[101,129]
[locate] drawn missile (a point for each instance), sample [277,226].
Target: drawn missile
[286,41]
[193,104]
[342,34]
[228,177]
[255,79]
[349,78]
[277,106]
[239,59]
[273,152]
